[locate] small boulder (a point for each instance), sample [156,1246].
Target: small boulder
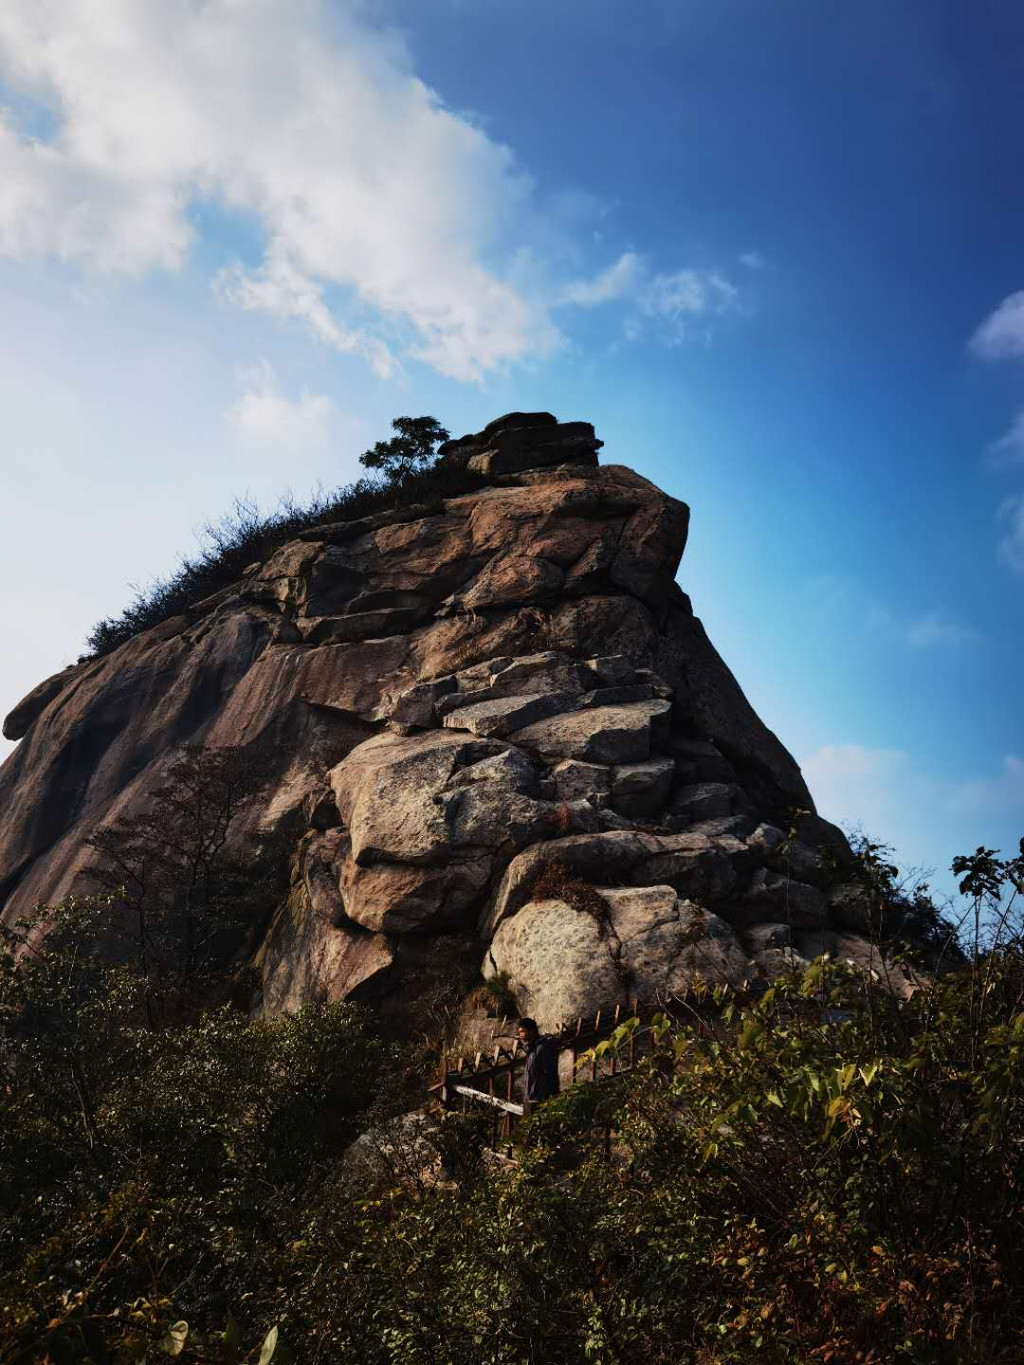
[605,734]
[515,421]
[771,896]
[559,960]
[760,937]
[789,856]
[639,790]
[577,781]
[550,671]
[701,801]
[668,943]
[851,906]
[514,449]
[501,716]
[510,769]
[566,962]
[699,868]
[612,670]
[395,898]
[597,858]
[388,791]
[415,706]
[859,952]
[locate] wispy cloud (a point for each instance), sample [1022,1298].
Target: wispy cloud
[1001,335]
[686,296]
[619,281]
[753,260]
[1011,542]
[280,290]
[936,629]
[266,415]
[1009,449]
[667,304]
[834,594]
[870,784]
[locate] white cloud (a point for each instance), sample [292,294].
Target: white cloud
[676,301]
[1009,449]
[391,226]
[753,260]
[293,112]
[692,293]
[1011,542]
[282,291]
[688,296]
[263,413]
[927,819]
[1001,335]
[617,281]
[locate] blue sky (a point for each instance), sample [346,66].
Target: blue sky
[772,252]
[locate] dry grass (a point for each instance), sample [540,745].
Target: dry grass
[557,883]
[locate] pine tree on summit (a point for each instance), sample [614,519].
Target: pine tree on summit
[412,450]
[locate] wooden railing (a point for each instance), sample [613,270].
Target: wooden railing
[495,1079]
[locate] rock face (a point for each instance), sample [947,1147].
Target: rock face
[445,701]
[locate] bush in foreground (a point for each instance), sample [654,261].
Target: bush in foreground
[826,1174]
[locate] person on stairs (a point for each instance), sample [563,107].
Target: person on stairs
[541,1076]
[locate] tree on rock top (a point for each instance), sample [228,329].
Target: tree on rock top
[413,449]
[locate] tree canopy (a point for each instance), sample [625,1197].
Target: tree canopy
[411,450]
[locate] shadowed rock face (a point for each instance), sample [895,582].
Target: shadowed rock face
[445,699]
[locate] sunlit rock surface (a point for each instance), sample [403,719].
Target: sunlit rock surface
[444,700]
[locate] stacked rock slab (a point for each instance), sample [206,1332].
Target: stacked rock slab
[453,705]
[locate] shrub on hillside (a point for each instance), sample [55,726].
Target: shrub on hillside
[153,1174]
[246,535]
[828,1174]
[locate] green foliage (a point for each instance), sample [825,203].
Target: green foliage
[785,1189]
[902,905]
[155,1174]
[410,451]
[822,1172]
[496,996]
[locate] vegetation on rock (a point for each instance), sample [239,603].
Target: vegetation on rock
[246,535]
[410,451]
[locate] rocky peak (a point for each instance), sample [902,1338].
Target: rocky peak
[524,440]
[465,711]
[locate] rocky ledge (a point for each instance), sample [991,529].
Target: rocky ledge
[495,734]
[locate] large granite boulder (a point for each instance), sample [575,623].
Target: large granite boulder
[452,704]
[649,945]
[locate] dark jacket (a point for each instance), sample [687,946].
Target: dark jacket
[541,1079]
